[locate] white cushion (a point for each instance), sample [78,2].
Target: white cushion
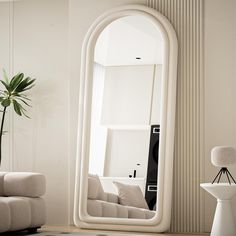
[122,212]
[93,187]
[38,211]
[136,213]
[94,182]
[149,214]
[24,184]
[111,197]
[130,195]
[5,216]
[98,208]
[109,209]
[20,212]
[94,208]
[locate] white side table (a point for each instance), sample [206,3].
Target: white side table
[223,224]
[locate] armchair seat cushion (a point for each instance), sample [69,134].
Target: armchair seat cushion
[37,211]
[19,211]
[5,215]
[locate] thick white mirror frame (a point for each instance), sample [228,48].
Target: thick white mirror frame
[161,221]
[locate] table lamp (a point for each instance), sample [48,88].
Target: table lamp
[223,156]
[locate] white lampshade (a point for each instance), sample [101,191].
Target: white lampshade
[223,156]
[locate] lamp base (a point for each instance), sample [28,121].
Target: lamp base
[226,172]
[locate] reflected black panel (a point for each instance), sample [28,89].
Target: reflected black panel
[152,170]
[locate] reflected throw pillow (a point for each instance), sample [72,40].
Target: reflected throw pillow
[95,189]
[131,195]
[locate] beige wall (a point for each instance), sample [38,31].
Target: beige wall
[5,58]
[220,85]
[37,46]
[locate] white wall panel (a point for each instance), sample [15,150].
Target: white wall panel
[220,84]
[186,17]
[37,45]
[41,143]
[6,62]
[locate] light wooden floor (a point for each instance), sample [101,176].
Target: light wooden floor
[75,229]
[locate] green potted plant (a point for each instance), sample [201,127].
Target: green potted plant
[13,93]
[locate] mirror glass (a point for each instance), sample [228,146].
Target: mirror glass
[125,120]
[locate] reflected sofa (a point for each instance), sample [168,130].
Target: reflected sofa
[102,204]
[21,205]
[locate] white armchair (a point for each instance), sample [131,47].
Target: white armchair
[21,205]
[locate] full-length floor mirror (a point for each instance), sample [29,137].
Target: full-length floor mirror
[125,119]
[126,122]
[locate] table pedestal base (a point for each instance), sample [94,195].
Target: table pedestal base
[223,224]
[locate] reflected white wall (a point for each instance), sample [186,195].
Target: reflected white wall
[126,101]
[98,132]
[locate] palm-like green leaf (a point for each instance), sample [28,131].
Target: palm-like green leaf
[16,80]
[22,100]
[6,102]
[17,109]
[25,84]
[14,90]
[20,95]
[13,93]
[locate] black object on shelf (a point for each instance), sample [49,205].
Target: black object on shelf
[135,171]
[152,170]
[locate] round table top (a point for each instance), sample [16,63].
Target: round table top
[219,185]
[223,191]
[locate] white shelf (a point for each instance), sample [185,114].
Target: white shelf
[128,127]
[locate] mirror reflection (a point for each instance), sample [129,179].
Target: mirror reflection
[125,120]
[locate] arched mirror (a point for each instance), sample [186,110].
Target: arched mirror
[126,122]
